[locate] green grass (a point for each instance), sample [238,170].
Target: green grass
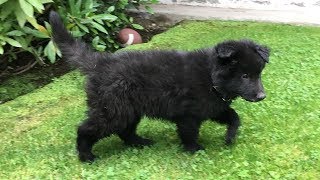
[279,137]
[19,85]
[15,86]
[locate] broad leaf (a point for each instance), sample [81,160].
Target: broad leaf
[77,33]
[83,27]
[88,5]
[99,21]
[1,50]
[48,26]
[50,52]
[99,27]
[137,26]
[149,9]
[108,17]
[111,9]
[15,33]
[100,47]
[36,33]
[37,4]
[95,41]
[72,6]
[78,7]
[21,16]
[33,22]
[46,1]
[7,9]
[12,42]
[26,7]
[3,1]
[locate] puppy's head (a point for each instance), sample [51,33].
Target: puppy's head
[238,69]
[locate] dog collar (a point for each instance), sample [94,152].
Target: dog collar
[225,99]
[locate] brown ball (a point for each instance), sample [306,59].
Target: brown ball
[129,36]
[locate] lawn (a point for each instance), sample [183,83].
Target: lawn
[279,137]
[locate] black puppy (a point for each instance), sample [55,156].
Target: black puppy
[183,87]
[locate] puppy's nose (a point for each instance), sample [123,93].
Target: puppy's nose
[260,96]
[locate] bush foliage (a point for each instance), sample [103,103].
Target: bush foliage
[24,25]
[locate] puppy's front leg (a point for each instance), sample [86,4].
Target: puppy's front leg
[188,130]
[232,120]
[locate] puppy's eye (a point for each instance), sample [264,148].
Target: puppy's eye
[245,76]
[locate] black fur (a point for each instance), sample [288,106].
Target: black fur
[183,87]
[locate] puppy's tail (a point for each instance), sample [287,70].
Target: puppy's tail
[76,52]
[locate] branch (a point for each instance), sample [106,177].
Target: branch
[26,68]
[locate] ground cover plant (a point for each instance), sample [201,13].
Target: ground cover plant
[278,137]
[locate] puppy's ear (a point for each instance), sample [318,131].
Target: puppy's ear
[264,52]
[225,51]
[226,55]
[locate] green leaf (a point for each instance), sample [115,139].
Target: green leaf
[149,9]
[21,16]
[48,26]
[3,1]
[95,41]
[99,27]
[7,9]
[110,40]
[26,8]
[3,43]
[116,46]
[86,12]
[46,1]
[36,33]
[12,42]
[33,22]
[37,4]
[123,17]
[108,17]
[78,7]
[24,41]
[83,27]
[137,26]
[1,50]
[15,33]
[100,47]
[99,21]
[59,52]
[72,7]
[77,33]
[111,9]
[50,52]
[88,4]
[86,21]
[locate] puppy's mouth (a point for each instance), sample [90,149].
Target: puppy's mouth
[252,99]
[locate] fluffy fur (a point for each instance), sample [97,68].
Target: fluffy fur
[183,87]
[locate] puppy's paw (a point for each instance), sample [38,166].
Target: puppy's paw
[87,157]
[229,141]
[192,148]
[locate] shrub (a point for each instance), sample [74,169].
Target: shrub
[24,25]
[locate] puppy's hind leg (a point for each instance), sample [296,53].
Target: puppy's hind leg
[231,119]
[131,138]
[90,132]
